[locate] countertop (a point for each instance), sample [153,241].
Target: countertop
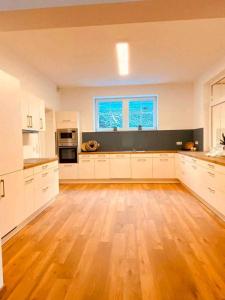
[129,152]
[34,162]
[203,156]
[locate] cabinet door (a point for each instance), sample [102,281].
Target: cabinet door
[42,124]
[55,182]
[120,168]
[66,119]
[29,197]
[141,167]
[26,120]
[163,168]
[216,125]
[86,169]
[1,269]
[11,154]
[34,111]
[11,198]
[102,168]
[68,171]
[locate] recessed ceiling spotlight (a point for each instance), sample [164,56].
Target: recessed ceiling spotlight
[122,49]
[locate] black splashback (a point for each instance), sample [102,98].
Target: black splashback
[144,140]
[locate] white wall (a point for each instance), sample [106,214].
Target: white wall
[30,78]
[175,106]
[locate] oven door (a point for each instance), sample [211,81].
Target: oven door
[67,155]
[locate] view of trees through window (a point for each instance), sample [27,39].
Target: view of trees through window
[126,113]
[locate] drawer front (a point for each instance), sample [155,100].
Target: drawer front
[41,168]
[163,155]
[141,155]
[115,156]
[101,156]
[87,156]
[28,172]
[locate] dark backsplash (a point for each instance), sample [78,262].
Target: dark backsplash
[144,140]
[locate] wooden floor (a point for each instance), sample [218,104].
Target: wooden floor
[118,242]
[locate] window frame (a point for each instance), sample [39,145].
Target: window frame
[125,100]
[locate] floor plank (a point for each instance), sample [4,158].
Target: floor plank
[118,242]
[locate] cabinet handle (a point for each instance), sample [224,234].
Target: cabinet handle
[44,167]
[141,159]
[66,120]
[31,120]
[41,122]
[194,160]
[85,160]
[211,190]
[28,121]
[45,189]
[29,181]
[101,160]
[194,167]
[68,166]
[211,174]
[3,188]
[164,159]
[45,174]
[163,155]
[56,170]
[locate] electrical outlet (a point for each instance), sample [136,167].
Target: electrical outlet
[179,143]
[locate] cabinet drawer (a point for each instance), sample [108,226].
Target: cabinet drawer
[41,168]
[86,156]
[163,155]
[113,156]
[28,172]
[101,156]
[141,155]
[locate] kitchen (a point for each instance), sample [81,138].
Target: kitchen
[112,163]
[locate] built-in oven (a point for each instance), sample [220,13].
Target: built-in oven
[67,154]
[67,136]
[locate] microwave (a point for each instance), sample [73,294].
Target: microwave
[67,137]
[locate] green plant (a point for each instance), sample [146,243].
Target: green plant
[222,141]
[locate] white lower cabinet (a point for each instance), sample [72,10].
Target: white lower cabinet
[163,167]
[29,197]
[87,168]
[102,168]
[68,171]
[120,166]
[141,167]
[11,191]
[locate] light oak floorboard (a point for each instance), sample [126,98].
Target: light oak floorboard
[118,242]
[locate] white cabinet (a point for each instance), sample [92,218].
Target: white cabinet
[1,268]
[55,181]
[11,191]
[163,166]
[68,171]
[33,112]
[86,168]
[141,167]
[120,166]
[102,168]
[11,154]
[29,197]
[66,119]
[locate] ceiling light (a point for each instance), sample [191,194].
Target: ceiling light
[123,58]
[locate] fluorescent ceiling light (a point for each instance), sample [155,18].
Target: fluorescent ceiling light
[123,58]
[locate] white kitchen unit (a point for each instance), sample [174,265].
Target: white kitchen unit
[67,119]
[120,166]
[163,165]
[141,166]
[68,171]
[11,153]
[33,112]
[205,179]
[102,166]
[11,192]
[86,166]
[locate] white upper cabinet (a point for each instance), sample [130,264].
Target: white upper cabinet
[66,119]
[33,112]
[11,154]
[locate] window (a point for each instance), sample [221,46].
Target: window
[126,113]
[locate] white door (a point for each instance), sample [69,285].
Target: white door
[86,168]
[216,125]
[163,168]
[102,170]
[120,168]
[11,154]
[141,167]
[11,196]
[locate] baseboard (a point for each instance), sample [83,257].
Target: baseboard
[206,205]
[7,237]
[81,181]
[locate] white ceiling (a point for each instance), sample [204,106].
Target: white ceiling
[28,4]
[160,52]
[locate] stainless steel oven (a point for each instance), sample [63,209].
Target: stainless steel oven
[67,154]
[67,136]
